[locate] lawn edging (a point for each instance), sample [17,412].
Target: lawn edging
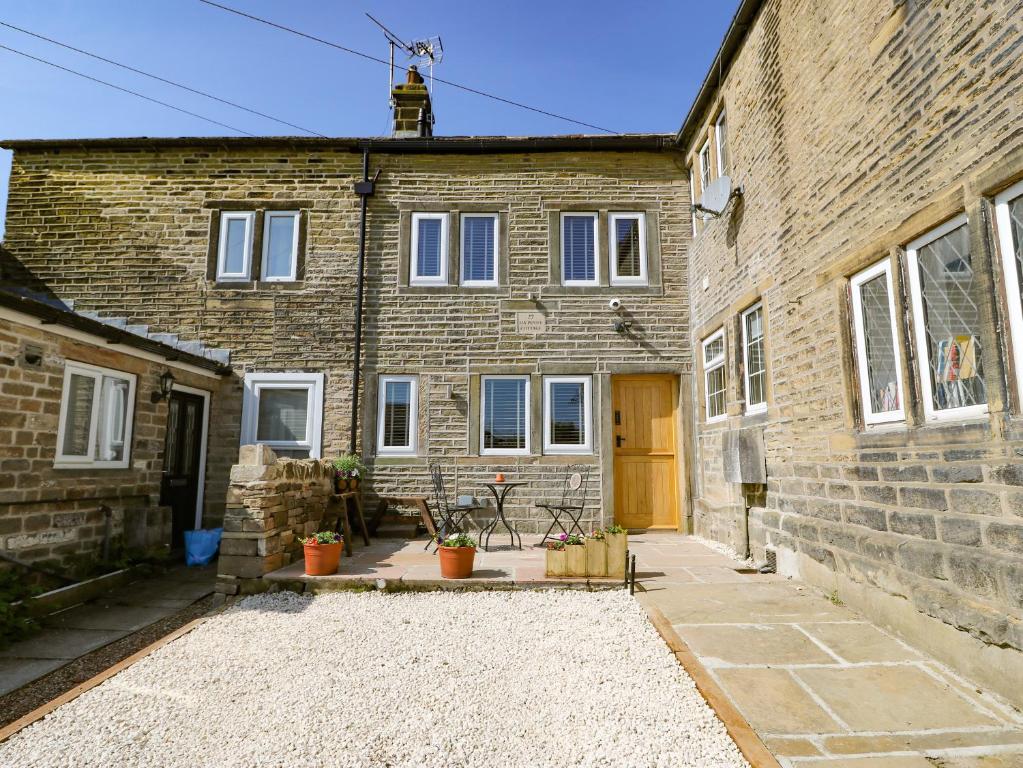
[742,733]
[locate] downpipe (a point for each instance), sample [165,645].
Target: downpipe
[364,189]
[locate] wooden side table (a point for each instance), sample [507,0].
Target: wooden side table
[345,524]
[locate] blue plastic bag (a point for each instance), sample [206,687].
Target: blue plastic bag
[201,546]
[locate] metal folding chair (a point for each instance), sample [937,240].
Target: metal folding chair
[572,505]
[451,517]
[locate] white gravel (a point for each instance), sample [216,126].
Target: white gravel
[485,679]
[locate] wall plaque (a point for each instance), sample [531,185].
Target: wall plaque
[530,323]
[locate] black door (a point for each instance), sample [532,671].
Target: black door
[181,462]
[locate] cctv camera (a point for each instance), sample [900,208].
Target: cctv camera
[614,305]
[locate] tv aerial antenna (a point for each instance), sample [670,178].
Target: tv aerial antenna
[427,51]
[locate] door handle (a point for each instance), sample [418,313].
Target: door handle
[618,441]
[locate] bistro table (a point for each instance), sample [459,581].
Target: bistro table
[500,490]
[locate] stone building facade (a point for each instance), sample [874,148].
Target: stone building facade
[57,505]
[886,137]
[135,227]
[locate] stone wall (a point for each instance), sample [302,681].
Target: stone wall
[855,127]
[271,504]
[127,231]
[56,514]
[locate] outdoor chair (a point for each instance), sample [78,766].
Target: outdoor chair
[572,504]
[450,517]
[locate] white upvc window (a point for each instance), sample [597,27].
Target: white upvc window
[429,254]
[1009,220]
[714,381]
[285,412]
[579,248]
[97,407]
[397,415]
[234,251]
[692,200]
[754,359]
[947,300]
[627,238]
[280,246]
[504,415]
[721,139]
[877,346]
[705,169]
[479,239]
[567,415]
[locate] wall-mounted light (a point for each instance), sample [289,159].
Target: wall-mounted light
[166,385]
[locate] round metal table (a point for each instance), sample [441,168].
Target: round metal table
[500,490]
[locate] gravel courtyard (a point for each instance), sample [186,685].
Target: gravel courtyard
[369,679]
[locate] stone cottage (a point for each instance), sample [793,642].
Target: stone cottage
[855,294]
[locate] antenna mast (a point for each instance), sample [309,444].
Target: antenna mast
[428,51]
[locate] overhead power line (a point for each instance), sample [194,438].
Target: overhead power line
[126,90]
[161,79]
[378,60]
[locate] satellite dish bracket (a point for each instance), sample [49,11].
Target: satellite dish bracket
[734,194]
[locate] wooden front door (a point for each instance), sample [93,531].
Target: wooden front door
[181,462]
[643,429]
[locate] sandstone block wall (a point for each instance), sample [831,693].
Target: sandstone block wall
[855,127]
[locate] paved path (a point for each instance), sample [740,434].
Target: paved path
[821,685]
[84,628]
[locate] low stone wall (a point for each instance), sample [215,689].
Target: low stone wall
[271,503]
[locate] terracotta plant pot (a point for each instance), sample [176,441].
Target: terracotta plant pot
[321,559]
[456,562]
[596,557]
[346,484]
[617,543]
[556,562]
[575,555]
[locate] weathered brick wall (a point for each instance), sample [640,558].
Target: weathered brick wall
[127,231]
[51,514]
[854,128]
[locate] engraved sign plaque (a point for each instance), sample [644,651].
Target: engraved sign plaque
[530,323]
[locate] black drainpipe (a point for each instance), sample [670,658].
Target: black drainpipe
[363,189]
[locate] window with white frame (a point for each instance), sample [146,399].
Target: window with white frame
[692,200]
[579,265]
[567,414]
[705,170]
[397,415]
[479,249]
[1009,219]
[721,139]
[504,415]
[947,298]
[96,411]
[429,249]
[754,361]
[628,248]
[280,246]
[285,412]
[877,356]
[714,376]
[234,251]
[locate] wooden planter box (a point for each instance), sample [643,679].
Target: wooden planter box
[575,558]
[557,562]
[617,543]
[596,557]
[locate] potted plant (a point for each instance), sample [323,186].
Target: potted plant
[575,555]
[322,553]
[617,543]
[596,554]
[348,470]
[556,558]
[457,553]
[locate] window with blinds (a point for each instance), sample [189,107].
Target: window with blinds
[429,249]
[504,415]
[479,248]
[628,248]
[567,411]
[96,411]
[397,415]
[579,249]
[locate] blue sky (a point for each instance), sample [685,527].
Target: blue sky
[624,66]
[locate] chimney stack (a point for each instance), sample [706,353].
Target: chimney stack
[413,115]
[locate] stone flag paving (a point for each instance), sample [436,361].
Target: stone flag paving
[822,686]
